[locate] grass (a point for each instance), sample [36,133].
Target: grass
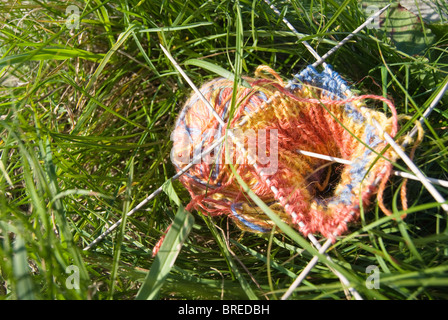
[85,122]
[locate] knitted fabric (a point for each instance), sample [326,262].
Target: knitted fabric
[313,112]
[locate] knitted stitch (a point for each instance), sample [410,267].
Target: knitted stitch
[312,112]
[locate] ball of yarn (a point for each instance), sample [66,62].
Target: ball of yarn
[263,132]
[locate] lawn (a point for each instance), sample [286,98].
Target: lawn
[88,101]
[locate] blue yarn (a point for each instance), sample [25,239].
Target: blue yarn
[328,80]
[254,227]
[359,168]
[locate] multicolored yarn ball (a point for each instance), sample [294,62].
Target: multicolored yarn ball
[313,112]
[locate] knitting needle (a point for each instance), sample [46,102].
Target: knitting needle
[429,109]
[347,38]
[402,174]
[158,191]
[181,172]
[423,179]
[307,270]
[319,59]
[291,27]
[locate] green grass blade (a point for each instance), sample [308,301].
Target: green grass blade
[265,259]
[171,193]
[50,53]
[215,69]
[24,285]
[121,233]
[165,258]
[231,262]
[121,39]
[177,28]
[340,10]
[103,16]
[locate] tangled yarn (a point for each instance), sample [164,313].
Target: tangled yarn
[264,131]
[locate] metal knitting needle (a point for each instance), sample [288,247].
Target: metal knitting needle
[402,174]
[319,59]
[291,27]
[417,172]
[346,39]
[307,270]
[423,179]
[159,190]
[181,172]
[429,109]
[176,176]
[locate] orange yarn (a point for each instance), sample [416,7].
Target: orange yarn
[271,121]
